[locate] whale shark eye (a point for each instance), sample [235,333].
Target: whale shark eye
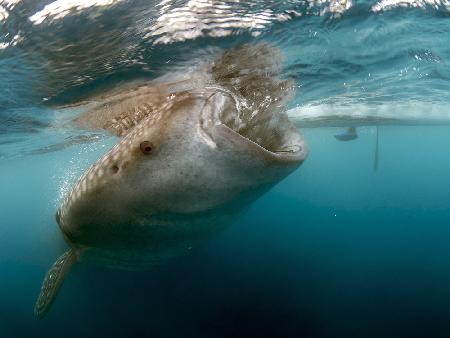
[146,147]
[114,169]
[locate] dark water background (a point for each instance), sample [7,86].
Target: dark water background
[335,250]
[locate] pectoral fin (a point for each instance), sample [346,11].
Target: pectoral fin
[52,282]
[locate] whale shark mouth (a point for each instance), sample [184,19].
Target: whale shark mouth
[276,134]
[264,126]
[251,76]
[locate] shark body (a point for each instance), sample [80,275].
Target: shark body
[192,158]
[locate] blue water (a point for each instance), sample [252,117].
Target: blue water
[337,249]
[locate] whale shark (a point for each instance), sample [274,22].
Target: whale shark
[193,155]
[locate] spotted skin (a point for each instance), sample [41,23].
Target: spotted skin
[95,175]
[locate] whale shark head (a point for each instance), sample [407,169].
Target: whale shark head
[191,160]
[199,154]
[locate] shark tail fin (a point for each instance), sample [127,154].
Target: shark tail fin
[53,281]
